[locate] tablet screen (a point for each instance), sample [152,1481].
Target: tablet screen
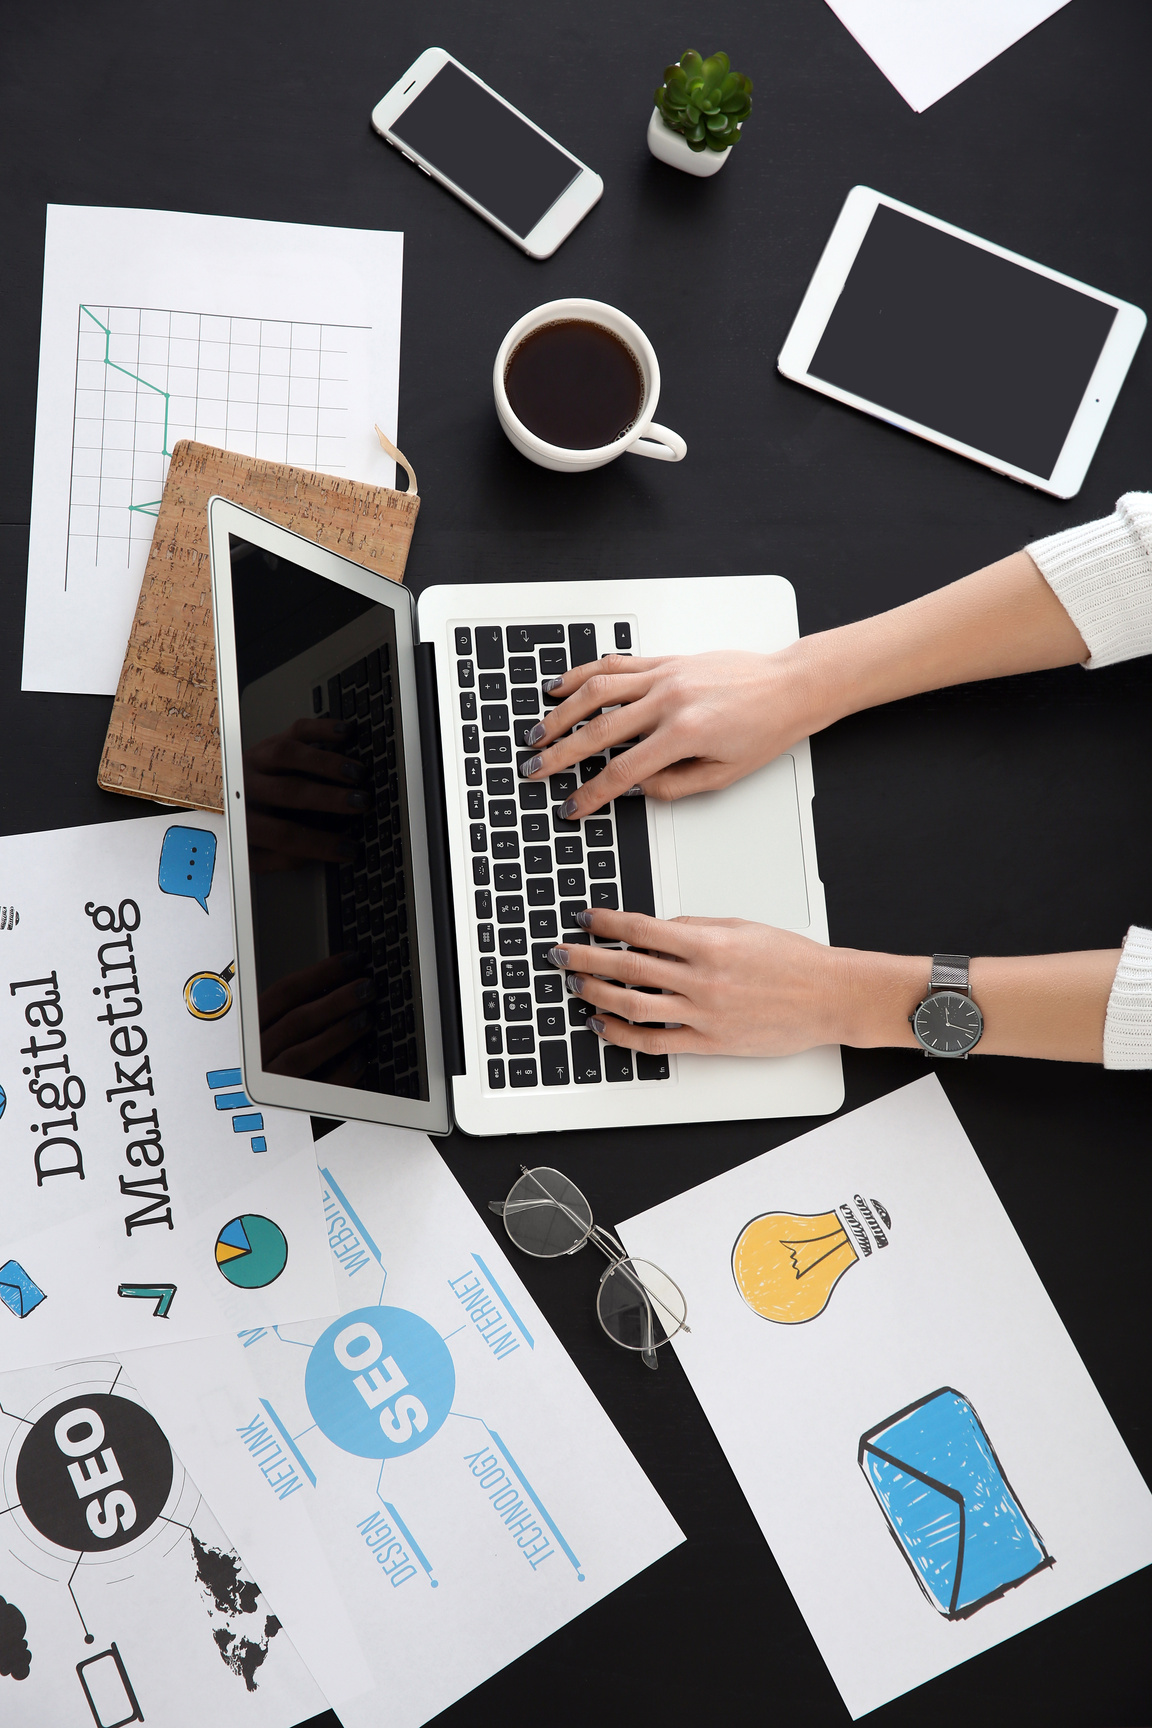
[966,343]
[486,149]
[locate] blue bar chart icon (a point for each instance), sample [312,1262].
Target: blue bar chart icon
[228,1086]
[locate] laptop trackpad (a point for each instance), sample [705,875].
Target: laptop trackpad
[739,853]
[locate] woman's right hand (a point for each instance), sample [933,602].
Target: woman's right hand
[701,721]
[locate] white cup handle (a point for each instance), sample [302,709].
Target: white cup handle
[660,442]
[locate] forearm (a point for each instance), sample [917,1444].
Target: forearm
[1039,1005]
[1001,620]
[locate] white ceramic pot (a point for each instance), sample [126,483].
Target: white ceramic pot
[643,438]
[668,146]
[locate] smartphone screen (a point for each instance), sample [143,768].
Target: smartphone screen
[485,149]
[972,345]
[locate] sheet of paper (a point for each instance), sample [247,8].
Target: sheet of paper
[916,1435]
[144,1197]
[269,338]
[425,1486]
[926,47]
[121,1600]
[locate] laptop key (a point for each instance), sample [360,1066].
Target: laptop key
[505,845]
[516,1007]
[617,1063]
[489,647]
[582,643]
[485,938]
[569,910]
[503,815]
[623,634]
[550,1022]
[463,640]
[533,796]
[585,1059]
[521,1040]
[549,988]
[491,1001]
[472,771]
[522,671]
[508,878]
[554,1062]
[578,1012]
[480,872]
[522,1071]
[465,674]
[591,766]
[476,805]
[571,882]
[467,705]
[537,861]
[522,636]
[514,974]
[542,923]
[493,687]
[526,701]
[494,718]
[478,837]
[601,864]
[496,749]
[651,1067]
[510,909]
[561,824]
[501,783]
[521,729]
[493,1040]
[488,970]
[541,963]
[541,891]
[552,662]
[598,832]
[561,786]
[470,738]
[513,942]
[496,1076]
[534,827]
[483,903]
[568,849]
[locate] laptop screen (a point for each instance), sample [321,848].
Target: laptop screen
[328,829]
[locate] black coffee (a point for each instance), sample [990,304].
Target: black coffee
[574,384]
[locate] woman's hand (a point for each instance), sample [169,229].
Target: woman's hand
[703,721]
[318,1021]
[732,988]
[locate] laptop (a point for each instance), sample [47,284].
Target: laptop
[449,889]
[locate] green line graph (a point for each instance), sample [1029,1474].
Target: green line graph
[147,377]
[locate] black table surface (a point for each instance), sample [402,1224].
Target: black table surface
[993,819]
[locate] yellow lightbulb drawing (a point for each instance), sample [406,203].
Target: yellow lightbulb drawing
[787,1264]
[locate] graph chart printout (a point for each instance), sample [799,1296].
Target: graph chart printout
[146,376]
[269,339]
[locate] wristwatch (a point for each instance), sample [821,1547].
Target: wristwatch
[948,1022]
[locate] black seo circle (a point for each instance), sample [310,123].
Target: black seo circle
[94,1472]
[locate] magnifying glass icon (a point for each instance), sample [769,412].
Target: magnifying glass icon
[208,995]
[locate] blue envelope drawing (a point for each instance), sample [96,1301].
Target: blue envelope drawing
[949,1505]
[17,1291]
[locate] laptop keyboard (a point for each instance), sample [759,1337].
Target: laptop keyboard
[531,869]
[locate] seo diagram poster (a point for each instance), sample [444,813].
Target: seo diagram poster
[425,1486]
[121,1600]
[145,1198]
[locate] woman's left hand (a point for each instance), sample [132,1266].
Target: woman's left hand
[733,988]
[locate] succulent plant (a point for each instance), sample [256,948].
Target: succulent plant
[704,100]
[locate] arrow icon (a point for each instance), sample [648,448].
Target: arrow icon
[162,1294]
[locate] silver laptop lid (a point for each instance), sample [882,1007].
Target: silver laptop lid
[327,829]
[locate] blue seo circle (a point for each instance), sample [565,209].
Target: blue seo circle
[379,1382]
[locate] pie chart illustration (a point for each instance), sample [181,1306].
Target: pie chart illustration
[251,1251]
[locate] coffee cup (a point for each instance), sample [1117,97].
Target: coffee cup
[642,437]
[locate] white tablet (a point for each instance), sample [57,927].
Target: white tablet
[962,342]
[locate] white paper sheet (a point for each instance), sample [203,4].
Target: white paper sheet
[157,1621]
[950,1300]
[425,1487]
[269,338]
[135,1170]
[926,47]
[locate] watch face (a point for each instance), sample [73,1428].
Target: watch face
[948,1023]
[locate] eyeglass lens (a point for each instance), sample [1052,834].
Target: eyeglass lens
[639,1306]
[545,1214]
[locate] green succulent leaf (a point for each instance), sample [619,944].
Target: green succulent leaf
[717,122]
[691,63]
[704,100]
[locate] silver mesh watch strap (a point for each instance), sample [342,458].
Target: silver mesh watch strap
[949,972]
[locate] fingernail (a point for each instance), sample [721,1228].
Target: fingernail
[598,1026]
[568,808]
[574,984]
[558,956]
[550,684]
[530,765]
[536,736]
[352,771]
[634,792]
[584,919]
[360,1022]
[365,991]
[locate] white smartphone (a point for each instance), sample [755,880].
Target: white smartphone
[964,343]
[449,123]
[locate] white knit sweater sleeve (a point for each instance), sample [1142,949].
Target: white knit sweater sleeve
[1128,1022]
[1102,575]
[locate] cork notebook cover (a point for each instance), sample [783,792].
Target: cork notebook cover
[163,739]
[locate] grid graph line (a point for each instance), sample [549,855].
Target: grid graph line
[148,376]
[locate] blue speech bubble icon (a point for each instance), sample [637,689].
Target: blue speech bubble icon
[187,860]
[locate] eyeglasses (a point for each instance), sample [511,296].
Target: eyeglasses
[637,1305]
